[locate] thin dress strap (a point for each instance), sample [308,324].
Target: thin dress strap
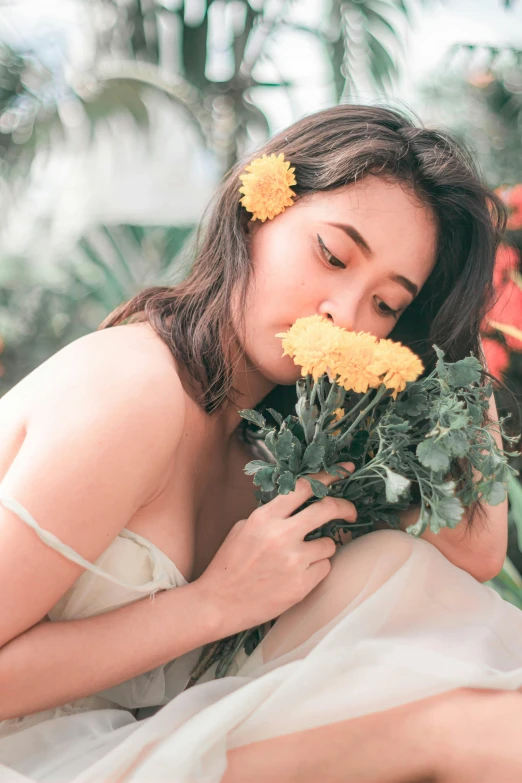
[54,542]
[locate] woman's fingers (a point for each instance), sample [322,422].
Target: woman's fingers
[324,511]
[285,505]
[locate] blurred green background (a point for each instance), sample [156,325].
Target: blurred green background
[119,117]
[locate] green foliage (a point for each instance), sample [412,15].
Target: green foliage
[484,82]
[399,459]
[40,315]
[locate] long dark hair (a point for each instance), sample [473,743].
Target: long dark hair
[331,149]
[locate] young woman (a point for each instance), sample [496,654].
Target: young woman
[121,468]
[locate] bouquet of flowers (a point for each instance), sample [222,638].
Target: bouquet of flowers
[414,441]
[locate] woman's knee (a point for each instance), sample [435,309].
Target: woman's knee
[386,550]
[358,569]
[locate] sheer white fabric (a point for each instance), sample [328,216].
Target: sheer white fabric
[393,622]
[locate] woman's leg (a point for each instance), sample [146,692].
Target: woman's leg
[384,747]
[447,738]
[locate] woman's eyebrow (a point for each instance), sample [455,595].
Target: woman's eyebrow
[407,284]
[359,240]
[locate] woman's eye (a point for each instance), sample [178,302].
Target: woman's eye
[332,260]
[385,309]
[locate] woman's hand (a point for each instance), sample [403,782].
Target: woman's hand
[264,565]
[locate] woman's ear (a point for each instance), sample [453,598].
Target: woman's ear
[252,226]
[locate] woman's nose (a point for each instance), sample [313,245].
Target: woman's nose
[344,316]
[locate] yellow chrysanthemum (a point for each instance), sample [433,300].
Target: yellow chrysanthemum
[353,364]
[338,414]
[396,365]
[355,360]
[313,343]
[266,186]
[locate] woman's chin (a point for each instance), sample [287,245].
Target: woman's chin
[282,376]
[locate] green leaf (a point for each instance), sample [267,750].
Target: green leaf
[320,490]
[286,482]
[300,388]
[294,463]
[396,424]
[459,421]
[336,470]
[457,443]
[284,444]
[420,525]
[441,366]
[358,444]
[270,442]
[254,465]
[264,478]
[253,416]
[433,454]
[313,456]
[338,394]
[476,413]
[435,523]
[450,510]
[448,488]
[275,415]
[307,416]
[413,405]
[296,428]
[396,485]
[496,494]
[464,372]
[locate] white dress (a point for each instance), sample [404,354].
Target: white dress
[392,623]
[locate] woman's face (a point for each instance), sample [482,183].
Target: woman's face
[357,255]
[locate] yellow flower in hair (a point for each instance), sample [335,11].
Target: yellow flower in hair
[266,186]
[396,365]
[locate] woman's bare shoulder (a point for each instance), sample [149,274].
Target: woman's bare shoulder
[122,352]
[126,343]
[130,364]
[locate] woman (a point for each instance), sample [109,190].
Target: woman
[123,455]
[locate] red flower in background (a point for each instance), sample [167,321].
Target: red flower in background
[497,357]
[505,315]
[512,198]
[507,307]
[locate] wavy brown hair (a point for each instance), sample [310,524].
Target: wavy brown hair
[331,149]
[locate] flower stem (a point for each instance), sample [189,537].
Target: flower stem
[381,391]
[348,414]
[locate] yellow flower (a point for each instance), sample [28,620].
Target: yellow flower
[396,365]
[266,186]
[338,414]
[353,364]
[312,343]
[355,360]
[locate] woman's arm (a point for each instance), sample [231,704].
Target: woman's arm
[100,444]
[56,662]
[393,746]
[465,735]
[481,549]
